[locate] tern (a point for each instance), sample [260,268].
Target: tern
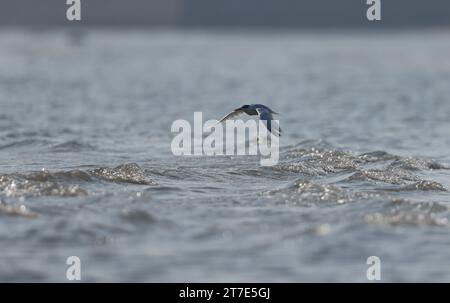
[264,113]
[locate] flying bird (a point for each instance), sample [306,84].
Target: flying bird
[264,113]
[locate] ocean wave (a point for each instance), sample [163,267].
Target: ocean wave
[411,163]
[324,153]
[125,173]
[384,175]
[24,143]
[45,183]
[318,159]
[16,185]
[68,146]
[378,156]
[405,212]
[307,192]
[71,146]
[401,179]
[70,175]
[422,185]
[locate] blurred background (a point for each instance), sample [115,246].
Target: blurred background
[227,14]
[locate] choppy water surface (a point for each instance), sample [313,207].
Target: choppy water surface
[86,167]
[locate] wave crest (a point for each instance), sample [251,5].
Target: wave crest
[45,183]
[29,186]
[307,192]
[125,173]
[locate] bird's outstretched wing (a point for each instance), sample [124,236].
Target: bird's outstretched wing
[265,115]
[233,114]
